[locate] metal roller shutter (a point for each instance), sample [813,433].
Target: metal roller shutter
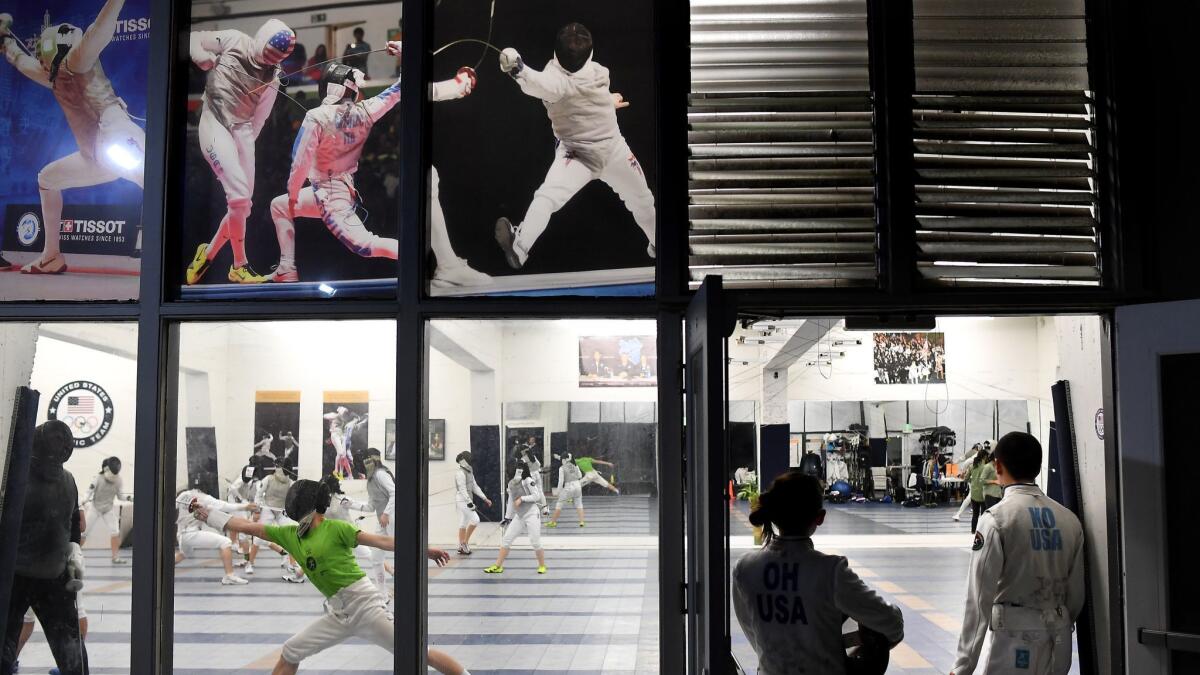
[781,174]
[1004,144]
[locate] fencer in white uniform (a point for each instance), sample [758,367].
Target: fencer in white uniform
[381,496]
[194,537]
[110,145]
[526,501]
[964,468]
[239,92]
[326,154]
[244,490]
[103,506]
[1025,583]
[465,491]
[570,490]
[791,599]
[272,499]
[589,144]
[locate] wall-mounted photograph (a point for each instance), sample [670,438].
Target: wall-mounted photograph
[614,361]
[277,426]
[73,79]
[437,439]
[344,436]
[910,358]
[543,177]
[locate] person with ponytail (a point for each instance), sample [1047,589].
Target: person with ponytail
[791,599]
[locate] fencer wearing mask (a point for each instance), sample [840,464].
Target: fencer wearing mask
[49,566]
[526,502]
[791,599]
[465,491]
[570,490]
[381,496]
[194,538]
[272,493]
[353,607]
[239,92]
[1025,581]
[104,506]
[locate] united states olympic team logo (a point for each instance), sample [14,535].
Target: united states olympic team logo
[28,228]
[86,408]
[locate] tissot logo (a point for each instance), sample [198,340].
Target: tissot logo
[133,25]
[70,226]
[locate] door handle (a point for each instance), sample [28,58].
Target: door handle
[1177,642]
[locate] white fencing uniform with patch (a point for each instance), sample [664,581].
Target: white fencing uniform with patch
[342,508]
[272,495]
[1026,584]
[381,496]
[465,490]
[569,487]
[791,600]
[194,535]
[527,501]
[589,146]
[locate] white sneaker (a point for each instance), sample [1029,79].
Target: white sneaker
[249,568]
[284,275]
[240,562]
[296,578]
[458,273]
[956,519]
[233,580]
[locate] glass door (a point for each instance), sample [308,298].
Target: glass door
[708,324]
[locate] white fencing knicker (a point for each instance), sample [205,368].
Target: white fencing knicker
[1029,640]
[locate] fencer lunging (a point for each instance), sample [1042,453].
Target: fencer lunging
[239,92]
[526,502]
[110,145]
[326,154]
[194,537]
[570,490]
[352,606]
[465,491]
[589,144]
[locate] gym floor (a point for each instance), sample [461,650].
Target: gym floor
[594,613]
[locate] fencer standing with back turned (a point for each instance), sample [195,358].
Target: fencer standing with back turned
[326,154]
[588,141]
[110,145]
[242,83]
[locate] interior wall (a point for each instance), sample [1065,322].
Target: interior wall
[540,361]
[448,387]
[1081,341]
[58,362]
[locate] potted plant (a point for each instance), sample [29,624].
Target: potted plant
[749,492]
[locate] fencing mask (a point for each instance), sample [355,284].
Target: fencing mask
[573,46]
[372,460]
[305,498]
[464,460]
[273,42]
[52,447]
[339,82]
[56,42]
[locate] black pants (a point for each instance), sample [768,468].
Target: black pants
[55,609]
[977,508]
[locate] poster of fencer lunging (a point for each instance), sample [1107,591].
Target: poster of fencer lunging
[292,163]
[73,86]
[543,176]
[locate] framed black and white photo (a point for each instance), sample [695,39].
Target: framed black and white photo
[437,439]
[910,358]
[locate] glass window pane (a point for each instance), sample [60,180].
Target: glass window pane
[594,607]
[71,175]
[263,410]
[543,182]
[77,514]
[289,181]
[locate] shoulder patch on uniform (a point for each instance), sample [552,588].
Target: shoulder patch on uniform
[978,543]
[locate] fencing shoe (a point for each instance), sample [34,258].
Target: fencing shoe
[199,265]
[284,275]
[56,264]
[245,275]
[493,569]
[233,580]
[458,272]
[506,236]
[541,569]
[552,524]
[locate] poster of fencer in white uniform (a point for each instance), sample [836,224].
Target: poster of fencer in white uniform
[292,156]
[344,436]
[72,93]
[544,177]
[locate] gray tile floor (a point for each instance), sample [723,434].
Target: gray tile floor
[595,612]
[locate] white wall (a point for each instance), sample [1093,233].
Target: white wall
[448,383]
[377,19]
[1080,341]
[58,362]
[540,361]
